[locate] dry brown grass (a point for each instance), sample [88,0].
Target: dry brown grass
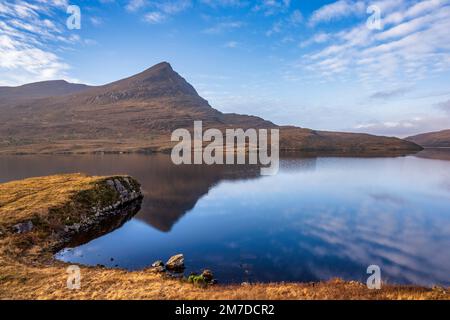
[18,281]
[21,200]
[45,278]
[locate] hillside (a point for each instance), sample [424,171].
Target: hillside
[439,139]
[138,114]
[14,95]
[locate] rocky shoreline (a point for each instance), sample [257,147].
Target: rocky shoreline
[95,207]
[106,217]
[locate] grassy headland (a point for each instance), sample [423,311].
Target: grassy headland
[40,215]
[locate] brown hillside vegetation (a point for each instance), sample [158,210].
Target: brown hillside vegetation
[138,114]
[439,139]
[28,270]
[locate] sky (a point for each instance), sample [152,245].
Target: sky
[381,66]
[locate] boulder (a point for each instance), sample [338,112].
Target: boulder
[175,263]
[158,266]
[207,275]
[158,263]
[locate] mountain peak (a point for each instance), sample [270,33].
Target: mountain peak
[160,70]
[162,65]
[158,81]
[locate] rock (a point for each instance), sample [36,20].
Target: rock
[111,184]
[158,266]
[207,275]
[23,227]
[177,276]
[175,263]
[158,263]
[159,269]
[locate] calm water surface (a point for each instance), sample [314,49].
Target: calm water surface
[318,218]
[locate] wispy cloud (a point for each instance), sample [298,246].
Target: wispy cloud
[292,20]
[155,17]
[337,10]
[224,26]
[415,45]
[390,93]
[26,31]
[403,127]
[163,10]
[320,37]
[272,7]
[231,44]
[226,3]
[134,5]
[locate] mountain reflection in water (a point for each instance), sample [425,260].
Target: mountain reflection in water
[318,218]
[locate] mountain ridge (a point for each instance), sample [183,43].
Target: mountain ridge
[138,113]
[435,139]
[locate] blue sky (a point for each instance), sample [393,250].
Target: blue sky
[313,64]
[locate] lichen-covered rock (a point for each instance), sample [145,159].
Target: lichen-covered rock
[175,263]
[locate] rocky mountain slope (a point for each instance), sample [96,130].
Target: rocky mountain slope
[138,114]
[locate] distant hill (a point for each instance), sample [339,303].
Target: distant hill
[138,114]
[39,90]
[438,139]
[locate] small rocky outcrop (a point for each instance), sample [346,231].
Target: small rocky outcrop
[175,263]
[117,200]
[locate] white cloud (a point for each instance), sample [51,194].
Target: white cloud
[155,17]
[223,27]
[407,51]
[272,7]
[174,6]
[163,10]
[225,3]
[320,37]
[27,32]
[404,127]
[231,44]
[337,10]
[134,5]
